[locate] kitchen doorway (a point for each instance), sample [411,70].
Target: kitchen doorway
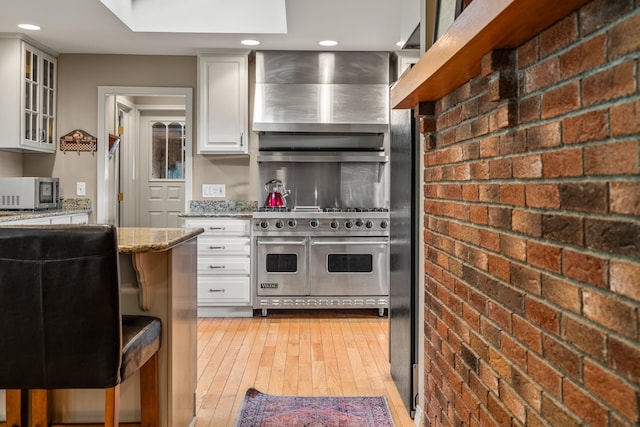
[121,173]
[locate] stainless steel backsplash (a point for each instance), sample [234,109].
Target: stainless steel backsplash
[329,184]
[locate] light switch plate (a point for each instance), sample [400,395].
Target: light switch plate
[213,190]
[81,188]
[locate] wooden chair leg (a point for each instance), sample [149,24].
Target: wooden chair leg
[39,408]
[13,408]
[112,406]
[149,393]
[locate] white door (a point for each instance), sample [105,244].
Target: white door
[162,171]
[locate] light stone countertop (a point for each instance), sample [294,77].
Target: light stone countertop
[226,208]
[133,240]
[6,216]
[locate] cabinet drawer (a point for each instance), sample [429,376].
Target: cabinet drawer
[232,246]
[224,290]
[225,227]
[222,265]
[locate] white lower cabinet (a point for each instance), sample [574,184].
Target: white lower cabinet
[224,266]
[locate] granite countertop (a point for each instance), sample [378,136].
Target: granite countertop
[69,207]
[235,208]
[136,239]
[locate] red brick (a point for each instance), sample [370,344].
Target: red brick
[545,375]
[541,75]
[558,36]
[624,357]
[527,166]
[470,192]
[528,53]
[512,401]
[513,142]
[489,193]
[479,170]
[525,388]
[564,163]
[610,313]
[504,116]
[562,293]
[499,364]
[584,267]
[611,389]
[565,359]
[580,333]
[590,126]
[512,194]
[479,214]
[497,411]
[583,405]
[625,118]
[585,56]
[563,228]
[525,278]
[488,377]
[624,198]
[543,315]
[513,247]
[528,334]
[600,13]
[624,279]
[490,147]
[542,196]
[546,135]
[544,256]
[513,350]
[500,217]
[611,159]
[500,168]
[462,172]
[625,37]
[490,239]
[499,314]
[556,414]
[561,100]
[529,223]
[611,83]
[529,109]
[471,150]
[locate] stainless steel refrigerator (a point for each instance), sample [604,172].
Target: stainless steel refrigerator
[404,239]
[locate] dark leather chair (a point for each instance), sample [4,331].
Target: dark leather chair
[61,325]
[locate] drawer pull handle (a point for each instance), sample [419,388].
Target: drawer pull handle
[217,290]
[218,228]
[217,247]
[217,266]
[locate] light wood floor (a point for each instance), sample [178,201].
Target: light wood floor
[306,353]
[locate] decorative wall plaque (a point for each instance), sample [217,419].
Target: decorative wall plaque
[78,140]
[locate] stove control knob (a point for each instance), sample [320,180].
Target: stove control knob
[384,224]
[314,223]
[292,223]
[348,224]
[279,223]
[358,222]
[264,224]
[368,224]
[334,224]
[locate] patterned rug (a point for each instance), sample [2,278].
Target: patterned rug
[265,410]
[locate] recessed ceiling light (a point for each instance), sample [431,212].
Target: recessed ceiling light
[29,27]
[400,43]
[328,43]
[250,42]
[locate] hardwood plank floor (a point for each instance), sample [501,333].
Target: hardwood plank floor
[293,352]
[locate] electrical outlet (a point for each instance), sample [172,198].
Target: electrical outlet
[213,190]
[81,188]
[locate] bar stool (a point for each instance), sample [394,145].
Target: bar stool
[61,325]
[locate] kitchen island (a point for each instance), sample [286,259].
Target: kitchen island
[158,278]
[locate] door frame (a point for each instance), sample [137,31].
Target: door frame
[103,179]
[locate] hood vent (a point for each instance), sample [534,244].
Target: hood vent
[310,92]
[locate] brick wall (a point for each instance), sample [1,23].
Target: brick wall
[532,231]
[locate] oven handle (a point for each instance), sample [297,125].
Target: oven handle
[347,242]
[282,242]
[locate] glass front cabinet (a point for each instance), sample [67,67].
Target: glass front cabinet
[29,109]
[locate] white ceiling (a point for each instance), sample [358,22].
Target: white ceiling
[88,26]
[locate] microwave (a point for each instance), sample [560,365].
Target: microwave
[29,193]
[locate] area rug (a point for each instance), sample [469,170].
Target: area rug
[266,410]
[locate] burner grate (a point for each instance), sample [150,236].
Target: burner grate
[273,209]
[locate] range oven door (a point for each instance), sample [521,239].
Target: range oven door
[281,267]
[349,266]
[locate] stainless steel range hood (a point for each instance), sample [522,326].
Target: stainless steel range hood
[309,92]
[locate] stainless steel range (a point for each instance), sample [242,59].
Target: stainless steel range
[321,258]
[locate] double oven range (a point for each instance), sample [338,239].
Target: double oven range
[311,257]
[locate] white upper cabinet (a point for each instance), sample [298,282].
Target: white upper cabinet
[223,103]
[28,103]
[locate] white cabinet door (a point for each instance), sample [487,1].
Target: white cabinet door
[28,104]
[223,104]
